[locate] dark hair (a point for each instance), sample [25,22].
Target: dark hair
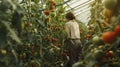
[70,16]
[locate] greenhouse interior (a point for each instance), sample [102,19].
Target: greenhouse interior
[59,33]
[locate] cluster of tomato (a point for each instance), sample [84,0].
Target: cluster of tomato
[51,7]
[111,36]
[25,51]
[55,28]
[49,38]
[102,54]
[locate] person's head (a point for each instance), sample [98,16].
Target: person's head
[70,16]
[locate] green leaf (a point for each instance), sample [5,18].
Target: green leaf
[12,33]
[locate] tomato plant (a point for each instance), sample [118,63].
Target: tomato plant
[106,25]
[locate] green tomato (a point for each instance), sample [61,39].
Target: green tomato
[97,40]
[109,4]
[98,54]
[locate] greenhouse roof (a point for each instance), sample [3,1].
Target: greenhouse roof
[81,9]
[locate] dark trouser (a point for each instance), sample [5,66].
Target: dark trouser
[74,47]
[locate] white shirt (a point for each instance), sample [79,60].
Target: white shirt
[72,29]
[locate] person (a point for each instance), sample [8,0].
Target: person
[73,39]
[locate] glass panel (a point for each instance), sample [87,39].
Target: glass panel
[81,9]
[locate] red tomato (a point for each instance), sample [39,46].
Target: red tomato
[109,37]
[110,54]
[117,30]
[47,12]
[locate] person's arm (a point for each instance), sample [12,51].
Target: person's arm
[67,28]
